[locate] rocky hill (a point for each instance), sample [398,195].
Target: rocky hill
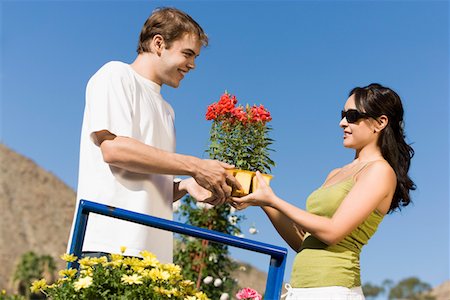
[442,291]
[36,210]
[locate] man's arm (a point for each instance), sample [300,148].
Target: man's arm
[135,156]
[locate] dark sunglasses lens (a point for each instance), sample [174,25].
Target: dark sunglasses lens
[351,115]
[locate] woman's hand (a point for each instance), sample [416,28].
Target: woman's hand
[263,196]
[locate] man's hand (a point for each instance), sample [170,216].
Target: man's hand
[198,192]
[194,189]
[213,176]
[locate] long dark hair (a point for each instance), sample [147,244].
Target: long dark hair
[376,100]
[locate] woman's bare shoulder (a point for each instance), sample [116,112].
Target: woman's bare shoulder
[380,169]
[332,173]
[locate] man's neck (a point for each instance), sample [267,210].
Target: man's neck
[145,65]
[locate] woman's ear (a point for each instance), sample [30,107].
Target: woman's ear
[382,122]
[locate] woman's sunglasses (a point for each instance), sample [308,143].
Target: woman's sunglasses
[352,115]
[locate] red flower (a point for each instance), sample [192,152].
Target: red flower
[226,104]
[221,109]
[259,114]
[211,112]
[240,114]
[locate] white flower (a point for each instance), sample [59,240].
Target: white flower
[176,206]
[202,205]
[253,230]
[232,219]
[224,296]
[241,235]
[242,268]
[208,280]
[232,210]
[217,282]
[213,257]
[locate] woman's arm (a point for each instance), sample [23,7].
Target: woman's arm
[374,185]
[286,228]
[291,232]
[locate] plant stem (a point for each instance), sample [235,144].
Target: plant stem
[201,258]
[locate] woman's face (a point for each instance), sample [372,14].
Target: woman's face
[359,133]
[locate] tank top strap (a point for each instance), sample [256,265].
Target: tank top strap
[362,167]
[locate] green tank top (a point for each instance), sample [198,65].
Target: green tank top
[320,265]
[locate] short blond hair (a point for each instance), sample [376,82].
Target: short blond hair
[172,24]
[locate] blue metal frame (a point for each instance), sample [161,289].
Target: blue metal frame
[277,254]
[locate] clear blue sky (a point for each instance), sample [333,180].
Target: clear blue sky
[298,58]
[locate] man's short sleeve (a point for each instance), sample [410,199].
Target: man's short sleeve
[109,101]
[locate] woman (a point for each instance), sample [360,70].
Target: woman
[346,210]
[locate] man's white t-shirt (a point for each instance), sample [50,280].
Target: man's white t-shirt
[123,102]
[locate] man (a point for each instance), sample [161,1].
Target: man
[127,152]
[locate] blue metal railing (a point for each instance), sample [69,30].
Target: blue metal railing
[277,254]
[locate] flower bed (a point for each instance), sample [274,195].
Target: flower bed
[119,277]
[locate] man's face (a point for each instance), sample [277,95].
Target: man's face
[178,60]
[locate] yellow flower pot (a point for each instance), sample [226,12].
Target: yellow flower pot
[245,179]
[248,181]
[255,183]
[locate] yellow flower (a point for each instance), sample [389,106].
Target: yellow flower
[87,272]
[123,249]
[99,260]
[115,256]
[165,275]
[68,273]
[152,274]
[69,257]
[131,279]
[38,285]
[148,261]
[86,262]
[186,283]
[201,296]
[145,273]
[3,292]
[172,268]
[62,280]
[82,283]
[116,260]
[138,269]
[158,274]
[166,292]
[132,261]
[147,255]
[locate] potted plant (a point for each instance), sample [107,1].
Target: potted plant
[239,136]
